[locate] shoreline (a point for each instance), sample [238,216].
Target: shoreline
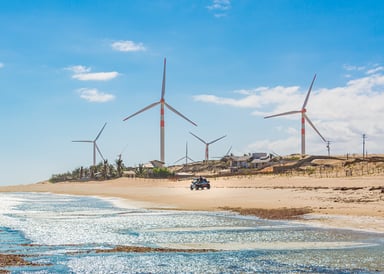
[347,203]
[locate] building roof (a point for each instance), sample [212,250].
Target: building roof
[258,161]
[241,158]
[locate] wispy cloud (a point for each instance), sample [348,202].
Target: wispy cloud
[340,113]
[79,69]
[353,68]
[128,46]
[83,73]
[95,96]
[220,7]
[1,65]
[370,69]
[374,70]
[96,76]
[254,98]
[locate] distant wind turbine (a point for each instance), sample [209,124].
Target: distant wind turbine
[207,144]
[186,157]
[95,147]
[303,118]
[162,123]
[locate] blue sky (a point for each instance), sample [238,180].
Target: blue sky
[67,67]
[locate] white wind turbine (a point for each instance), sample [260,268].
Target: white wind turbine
[186,157]
[95,147]
[162,123]
[303,118]
[207,144]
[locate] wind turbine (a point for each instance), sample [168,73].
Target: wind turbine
[186,157]
[303,118]
[207,144]
[162,123]
[95,147]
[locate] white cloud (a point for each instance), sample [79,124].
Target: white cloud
[96,76]
[79,69]
[1,65]
[374,70]
[342,113]
[95,96]
[128,46]
[254,98]
[83,73]
[371,69]
[353,68]
[220,5]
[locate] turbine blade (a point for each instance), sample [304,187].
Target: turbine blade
[83,141]
[98,150]
[284,113]
[198,138]
[313,126]
[229,150]
[179,160]
[178,113]
[214,141]
[98,135]
[163,84]
[309,91]
[142,110]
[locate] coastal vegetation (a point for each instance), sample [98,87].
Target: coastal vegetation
[312,166]
[105,171]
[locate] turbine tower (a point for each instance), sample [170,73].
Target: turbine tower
[329,148]
[303,118]
[207,144]
[95,147]
[162,123]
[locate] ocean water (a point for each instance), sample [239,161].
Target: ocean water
[62,234]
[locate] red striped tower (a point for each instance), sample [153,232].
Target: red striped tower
[304,118]
[162,120]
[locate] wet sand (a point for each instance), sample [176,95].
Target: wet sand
[351,202]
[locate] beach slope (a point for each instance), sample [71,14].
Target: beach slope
[351,202]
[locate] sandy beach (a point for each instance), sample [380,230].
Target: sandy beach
[351,202]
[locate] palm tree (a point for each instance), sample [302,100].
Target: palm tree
[104,171]
[140,171]
[120,166]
